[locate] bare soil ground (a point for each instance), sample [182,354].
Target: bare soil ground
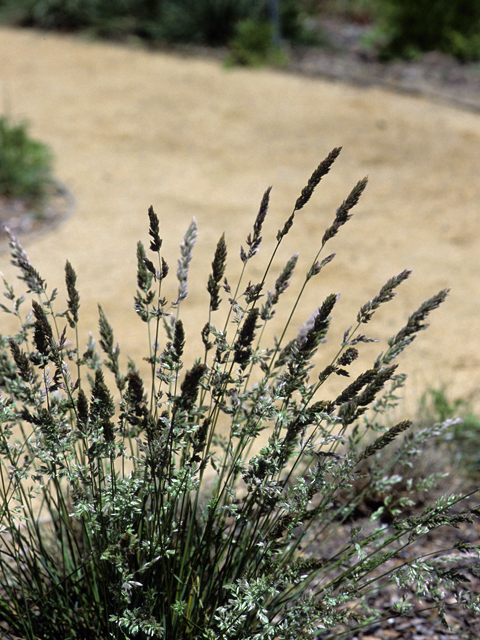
[132,128]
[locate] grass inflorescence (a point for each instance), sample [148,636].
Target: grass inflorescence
[139,505]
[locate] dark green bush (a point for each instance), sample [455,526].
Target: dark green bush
[253,45]
[217,22]
[25,164]
[114,18]
[139,504]
[211,22]
[410,27]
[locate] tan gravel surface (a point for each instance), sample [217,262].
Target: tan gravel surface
[132,128]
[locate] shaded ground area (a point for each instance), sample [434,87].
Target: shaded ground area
[132,128]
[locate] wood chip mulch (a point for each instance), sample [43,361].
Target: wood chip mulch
[434,75]
[423,622]
[25,220]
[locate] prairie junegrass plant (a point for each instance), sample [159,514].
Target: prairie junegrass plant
[128,513]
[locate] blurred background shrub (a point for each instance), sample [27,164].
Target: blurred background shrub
[211,22]
[254,30]
[400,28]
[25,164]
[410,27]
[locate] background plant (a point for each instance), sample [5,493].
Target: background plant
[253,45]
[140,505]
[404,28]
[25,164]
[211,22]
[462,440]
[409,27]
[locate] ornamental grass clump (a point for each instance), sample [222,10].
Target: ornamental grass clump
[138,505]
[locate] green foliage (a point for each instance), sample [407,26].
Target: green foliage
[211,22]
[464,436]
[253,45]
[140,505]
[243,25]
[103,18]
[409,27]
[25,164]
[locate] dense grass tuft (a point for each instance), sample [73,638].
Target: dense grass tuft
[140,505]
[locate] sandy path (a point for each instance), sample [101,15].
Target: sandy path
[131,128]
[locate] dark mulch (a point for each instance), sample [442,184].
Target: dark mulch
[423,623]
[26,219]
[348,58]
